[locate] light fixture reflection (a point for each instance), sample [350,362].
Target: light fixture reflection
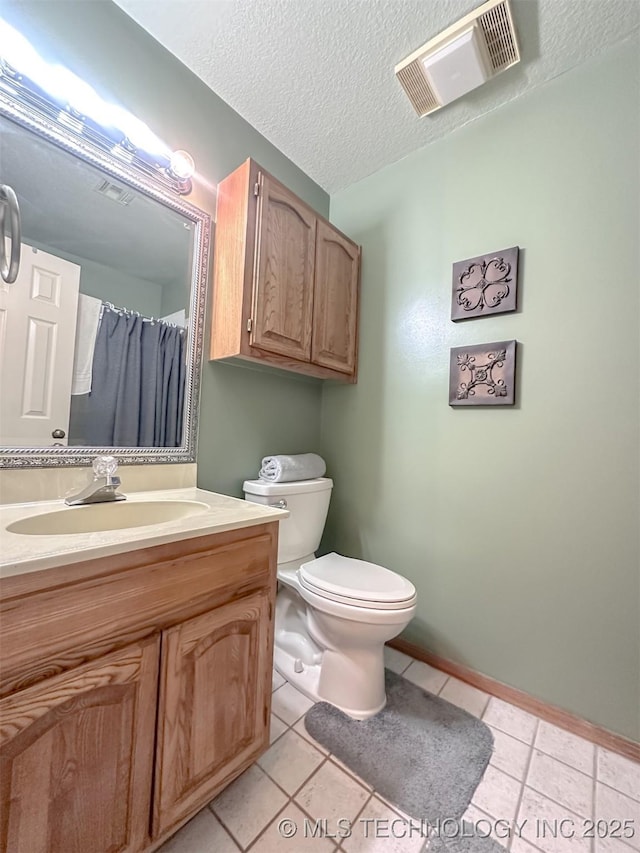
[182,165]
[18,53]
[79,107]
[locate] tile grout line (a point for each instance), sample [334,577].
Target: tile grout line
[563,805]
[492,820]
[527,770]
[520,782]
[275,740]
[265,828]
[504,732]
[262,770]
[443,686]
[596,782]
[546,754]
[571,811]
[618,791]
[506,772]
[531,746]
[394,810]
[371,794]
[328,758]
[225,827]
[543,793]
[405,667]
[325,759]
[357,815]
[290,800]
[308,814]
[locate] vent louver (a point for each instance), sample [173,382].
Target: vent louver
[495,27]
[114,192]
[418,89]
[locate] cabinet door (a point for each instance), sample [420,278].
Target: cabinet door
[215,696]
[76,757]
[283,283]
[335,307]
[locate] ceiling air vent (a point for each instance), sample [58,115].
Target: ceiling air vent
[114,192]
[465,55]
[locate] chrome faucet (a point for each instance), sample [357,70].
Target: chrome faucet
[103,487]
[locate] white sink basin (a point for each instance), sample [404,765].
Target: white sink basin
[116,515]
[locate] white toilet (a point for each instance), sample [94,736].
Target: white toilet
[333,614]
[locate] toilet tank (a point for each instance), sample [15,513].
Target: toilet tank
[308,504]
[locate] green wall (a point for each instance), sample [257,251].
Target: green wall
[112,285]
[244,414]
[519,527]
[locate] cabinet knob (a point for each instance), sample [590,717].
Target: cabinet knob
[58,433]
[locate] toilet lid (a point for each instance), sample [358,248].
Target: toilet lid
[357,582]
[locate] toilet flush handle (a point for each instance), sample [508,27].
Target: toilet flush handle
[280,505]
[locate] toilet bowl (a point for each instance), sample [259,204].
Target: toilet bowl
[333,613]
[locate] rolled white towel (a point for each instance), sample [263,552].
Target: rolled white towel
[285,469]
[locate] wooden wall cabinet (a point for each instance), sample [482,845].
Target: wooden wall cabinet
[151,694]
[285,285]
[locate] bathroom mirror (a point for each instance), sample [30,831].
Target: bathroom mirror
[108,303]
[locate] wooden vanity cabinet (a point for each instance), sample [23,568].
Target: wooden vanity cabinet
[133,689]
[285,288]
[214,661]
[77,757]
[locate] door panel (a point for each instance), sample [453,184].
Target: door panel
[214,704]
[37,337]
[335,311]
[283,285]
[76,757]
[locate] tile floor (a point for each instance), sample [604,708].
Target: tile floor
[542,792]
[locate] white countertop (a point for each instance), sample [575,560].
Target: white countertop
[20,553]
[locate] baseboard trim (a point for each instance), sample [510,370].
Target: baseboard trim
[551,713]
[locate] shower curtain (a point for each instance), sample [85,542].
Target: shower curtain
[137,391]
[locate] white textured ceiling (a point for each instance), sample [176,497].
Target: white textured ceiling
[61,211]
[316,76]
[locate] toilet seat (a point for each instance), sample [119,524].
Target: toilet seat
[357,583]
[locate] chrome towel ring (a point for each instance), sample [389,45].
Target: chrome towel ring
[9,205]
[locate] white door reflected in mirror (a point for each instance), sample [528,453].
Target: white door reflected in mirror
[37,335]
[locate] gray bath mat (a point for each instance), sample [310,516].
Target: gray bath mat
[421,753]
[464,838]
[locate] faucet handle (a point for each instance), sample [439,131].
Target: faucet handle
[105,466]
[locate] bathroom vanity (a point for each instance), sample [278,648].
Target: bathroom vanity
[136,671]
[136,636]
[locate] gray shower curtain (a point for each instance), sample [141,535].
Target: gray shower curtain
[137,388]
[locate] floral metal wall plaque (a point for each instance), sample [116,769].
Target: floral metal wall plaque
[485,285]
[483,375]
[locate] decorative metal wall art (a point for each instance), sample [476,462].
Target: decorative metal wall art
[483,375]
[485,285]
